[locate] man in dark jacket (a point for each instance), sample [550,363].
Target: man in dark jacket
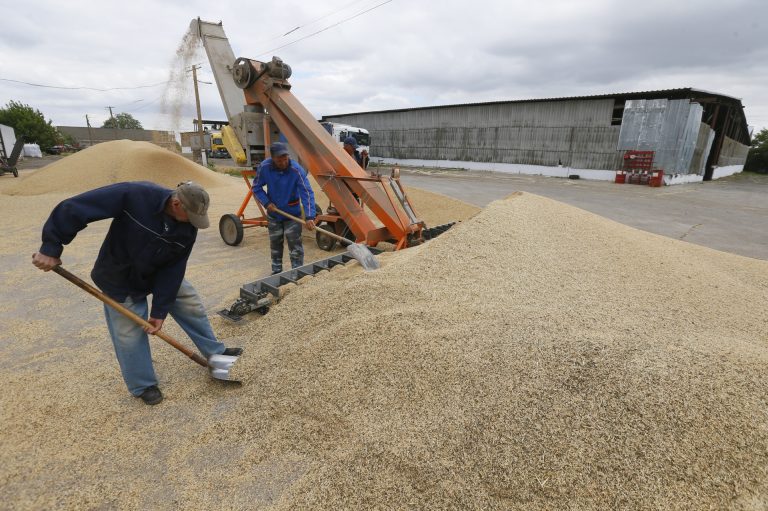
[350,146]
[288,189]
[145,252]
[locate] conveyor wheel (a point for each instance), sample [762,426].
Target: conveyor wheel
[325,242]
[231,229]
[243,73]
[342,229]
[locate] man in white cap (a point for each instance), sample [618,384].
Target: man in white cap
[145,252]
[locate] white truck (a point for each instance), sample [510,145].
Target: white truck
[341,131]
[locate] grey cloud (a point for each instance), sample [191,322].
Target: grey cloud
[404,54]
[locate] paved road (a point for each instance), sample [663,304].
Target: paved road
[28,164]
[729,214]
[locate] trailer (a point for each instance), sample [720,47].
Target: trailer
[8,165]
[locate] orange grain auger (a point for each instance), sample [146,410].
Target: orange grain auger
[259,105]
[265,86]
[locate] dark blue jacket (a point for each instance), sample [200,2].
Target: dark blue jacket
[145,251]
[286,189]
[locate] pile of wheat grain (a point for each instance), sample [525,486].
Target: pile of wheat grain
[535,357]
[112,162]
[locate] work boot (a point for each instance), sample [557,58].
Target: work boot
[233,352]
[151,395]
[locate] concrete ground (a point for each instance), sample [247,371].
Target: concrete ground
[28,164]
[729,214]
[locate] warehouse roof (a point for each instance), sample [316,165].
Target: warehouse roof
[698,95]
[681,93]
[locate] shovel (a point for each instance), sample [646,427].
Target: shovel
[218,365]
[357,250]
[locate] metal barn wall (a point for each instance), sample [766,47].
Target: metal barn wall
[575,133]
[668,127]
[732,153]
[703,147]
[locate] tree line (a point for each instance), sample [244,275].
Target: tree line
[757,159]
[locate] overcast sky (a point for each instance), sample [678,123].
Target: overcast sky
[399,54]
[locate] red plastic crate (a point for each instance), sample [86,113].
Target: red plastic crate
[657,178]
[638,160]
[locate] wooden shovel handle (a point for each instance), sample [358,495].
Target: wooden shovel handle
[329,233]
[129,314]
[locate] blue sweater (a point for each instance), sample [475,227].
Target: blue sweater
[145,251]
[286,189]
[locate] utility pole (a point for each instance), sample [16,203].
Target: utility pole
[203,155]
[114,122]
[90,133]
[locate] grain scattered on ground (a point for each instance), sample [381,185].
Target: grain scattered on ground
[536,356]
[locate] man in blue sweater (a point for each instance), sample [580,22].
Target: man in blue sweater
[145,252]
[288,189]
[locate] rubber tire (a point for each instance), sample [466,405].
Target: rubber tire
[231,229]
[325,242]
[347,232]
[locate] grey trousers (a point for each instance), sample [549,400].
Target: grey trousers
[290,231]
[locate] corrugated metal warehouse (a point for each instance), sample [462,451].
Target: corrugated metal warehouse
[695,135]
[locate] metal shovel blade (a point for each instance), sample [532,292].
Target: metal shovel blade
[364,256]
[219,366]
[356,250]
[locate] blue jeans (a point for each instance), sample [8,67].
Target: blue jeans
[132,343]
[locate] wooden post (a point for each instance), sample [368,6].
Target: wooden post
[203,156]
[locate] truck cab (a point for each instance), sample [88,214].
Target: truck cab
[217,143]
[341,131]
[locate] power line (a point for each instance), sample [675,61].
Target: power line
[308,23]
[130,103]
[324,29]
[265,53]
[145,105]
[262,54]
[84,88]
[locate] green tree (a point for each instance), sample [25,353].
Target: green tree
[30,124]
[68,139]
[123,121]
[757,158]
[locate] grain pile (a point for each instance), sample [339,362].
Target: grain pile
[534,357]
[112,162]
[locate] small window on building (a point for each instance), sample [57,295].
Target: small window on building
[618,112]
